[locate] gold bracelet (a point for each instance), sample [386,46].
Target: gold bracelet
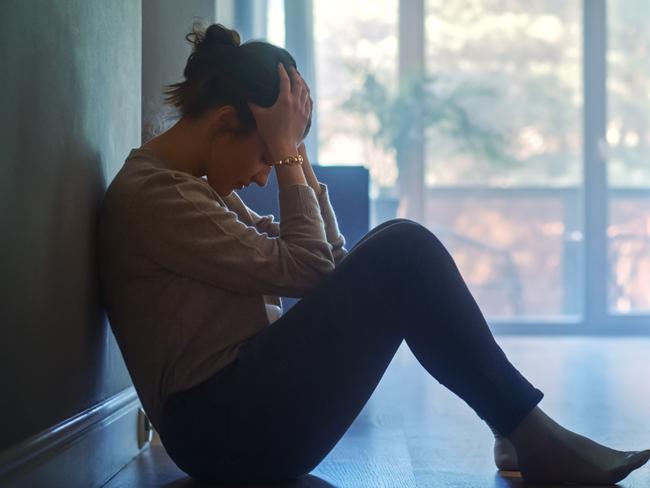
[288,161]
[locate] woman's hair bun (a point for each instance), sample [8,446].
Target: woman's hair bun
[216,35]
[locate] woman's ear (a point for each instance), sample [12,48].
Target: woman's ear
[224,120]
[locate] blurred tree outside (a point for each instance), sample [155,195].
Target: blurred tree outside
[391,119]
[529,55]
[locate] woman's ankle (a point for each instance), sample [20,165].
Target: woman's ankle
[534,428]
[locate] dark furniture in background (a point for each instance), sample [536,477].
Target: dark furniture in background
[348,190]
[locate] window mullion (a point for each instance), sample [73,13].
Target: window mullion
[595,201]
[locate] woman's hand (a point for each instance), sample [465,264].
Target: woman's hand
[282,125]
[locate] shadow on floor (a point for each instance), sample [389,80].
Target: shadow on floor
[307,481]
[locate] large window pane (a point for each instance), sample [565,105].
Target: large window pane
[349,37]
[628,138]
[508,209]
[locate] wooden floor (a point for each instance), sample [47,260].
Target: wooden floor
[414,433]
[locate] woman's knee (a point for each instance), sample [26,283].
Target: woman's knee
[413,243]
[395,221]
[393,248]
[390,248]
[392,236]
[377,229]
[402,232]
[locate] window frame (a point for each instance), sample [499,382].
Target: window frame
[595,319]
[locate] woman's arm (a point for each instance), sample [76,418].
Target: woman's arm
[175,221]
[308,170]
[334,237]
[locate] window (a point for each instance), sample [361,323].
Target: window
[509,215]
[536,147]
[350,37]
[628,158]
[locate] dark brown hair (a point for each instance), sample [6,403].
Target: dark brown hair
[222,71]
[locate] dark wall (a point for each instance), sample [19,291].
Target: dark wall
[70,111]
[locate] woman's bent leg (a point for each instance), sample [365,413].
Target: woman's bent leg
[446,331]
[301,383]
[298,385]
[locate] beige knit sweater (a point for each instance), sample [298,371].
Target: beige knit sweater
[187,275]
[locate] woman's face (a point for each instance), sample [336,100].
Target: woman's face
[236,160]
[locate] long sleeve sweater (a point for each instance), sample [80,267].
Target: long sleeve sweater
[188,277]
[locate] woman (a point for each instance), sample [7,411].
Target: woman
[191,280]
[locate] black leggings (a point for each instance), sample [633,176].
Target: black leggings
[276,411]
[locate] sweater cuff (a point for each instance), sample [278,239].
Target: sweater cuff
[327,212]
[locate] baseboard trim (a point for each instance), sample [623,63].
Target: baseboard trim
[85,450]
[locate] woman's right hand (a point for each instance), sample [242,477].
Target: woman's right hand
[282,125]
